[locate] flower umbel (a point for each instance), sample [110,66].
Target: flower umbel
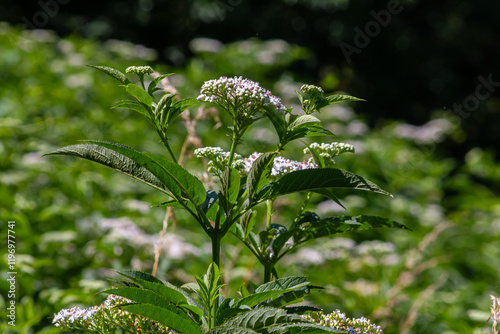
[338,320]
[139,70]
[218,159]
[239,95]
[281,166]
[329,151]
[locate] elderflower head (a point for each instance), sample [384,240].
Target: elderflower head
[338,320]
[281,166]
[218,159]
[239,94]
[329,151]
[139,70]
[312,90]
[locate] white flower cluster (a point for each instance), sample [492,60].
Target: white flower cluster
[105,318]
[281,166]
[238,93]
[139,70]
[329,151]
[218,159]
[312,90]
[338,320]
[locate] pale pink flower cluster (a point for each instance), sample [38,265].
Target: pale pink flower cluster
[238,93]
[281,166]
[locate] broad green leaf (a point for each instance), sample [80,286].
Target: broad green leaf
[190,186]
[285,283]
[231,330]
[304,119]
[260,297]
[321,178]
[230,185]
[341,98]
[111,158]
[331,195]
[173,176]
[139,94]
[300,328]
[263,317]
[114,73]
[133,105]
[277,120]
[248,221]
[294,296]
[140,295]
[164,317]
[301,309]
[342,224]
[135,275]
[257,174]
[152,85]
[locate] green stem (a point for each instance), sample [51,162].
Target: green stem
[267,273]
[269,205]
[236,138]
[165,143]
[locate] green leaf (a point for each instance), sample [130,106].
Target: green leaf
[277,120]
[300,328]
[111,158]
[285,283]
[321,178]
[301,120]
[341,224]
[260,297]
[140,295]
[230,186]
[139,94]
[294,296]
[174,177]
[135,275]
[341,98]
[258,174]
[263,317]
[190,186]
[231,330]
[164,317]
[133,105]
[152,85]
[112,73]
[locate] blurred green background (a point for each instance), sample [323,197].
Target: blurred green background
[75,221]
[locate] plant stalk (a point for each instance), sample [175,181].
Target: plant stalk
[267,273]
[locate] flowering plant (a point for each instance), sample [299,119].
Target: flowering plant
[244,185]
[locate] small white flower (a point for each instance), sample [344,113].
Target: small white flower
[329,151]
[281,166]
[238,93]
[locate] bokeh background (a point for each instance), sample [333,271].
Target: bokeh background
[429,132]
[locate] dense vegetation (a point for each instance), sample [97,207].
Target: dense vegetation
[75,220]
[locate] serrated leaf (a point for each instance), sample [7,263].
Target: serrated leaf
[114,73]
[321,178]
[164,317]
[139,94]
[230,186]
[342,224]
[140,275]
[277,120]
[140,295]
[304,119]
[174,177]
[293,297]
[109,157]
[285,283]
[264,317]
[132,105]
[258,173]
[231,330]
[341,98]
[300,328]
[190,187]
